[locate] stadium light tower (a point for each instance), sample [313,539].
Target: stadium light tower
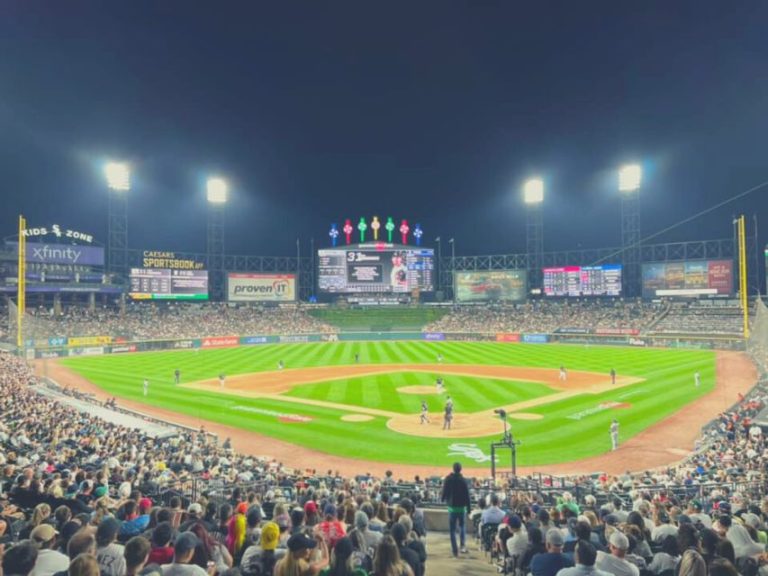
[630,178]
[118,177]
[533,196]
[217,194]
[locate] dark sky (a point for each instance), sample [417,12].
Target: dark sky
[431,111]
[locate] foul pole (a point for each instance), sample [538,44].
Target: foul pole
[743,296]
[21,284]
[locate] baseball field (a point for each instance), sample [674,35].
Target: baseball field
[368,408]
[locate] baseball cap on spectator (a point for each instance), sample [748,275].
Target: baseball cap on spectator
[310,507]
[543,516]
[611,520]
[253,517]
[242,508]
[43,533]
[406,504]
[514,521]
[724,507]
[270,534]
[555,537]
[724,520]
[107,530]
[329,510]
[684,519]
[195,508]
[399,533]
[145,504]
[619,541]
[344,548]
[100,491]
[300,542]
[185,542]
[696,505]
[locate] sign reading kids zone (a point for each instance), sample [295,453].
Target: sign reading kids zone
[67,246]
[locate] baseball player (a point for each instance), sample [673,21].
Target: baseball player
[448,414]
[146,386]
[424,413]
[613,376]
[222,379]
[440,386]
[614,434]
[177,376]
[563,374]
[697,379]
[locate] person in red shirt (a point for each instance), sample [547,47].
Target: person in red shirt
[330,529]
[162,551]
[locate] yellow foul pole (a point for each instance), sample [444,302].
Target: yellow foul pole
[744,297]
[21,300]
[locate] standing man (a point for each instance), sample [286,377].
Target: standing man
[439,358]
[177,376]
[222,379]
[614,434]
[563,374]
[448,414]
[697,379]
[424,413]
[456,495]
[439,384]
[146,386]
[613,377]
[280,365]
[357,358]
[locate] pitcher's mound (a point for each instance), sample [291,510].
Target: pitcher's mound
[420,390]
[356,418]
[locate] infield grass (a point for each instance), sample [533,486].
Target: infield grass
[570,429]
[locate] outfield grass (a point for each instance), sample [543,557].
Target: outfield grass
[558,437]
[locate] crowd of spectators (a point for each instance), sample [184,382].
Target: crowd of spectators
[695,318]
[145,321]
[547,316]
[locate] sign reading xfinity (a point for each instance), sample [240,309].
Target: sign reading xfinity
[261,287]
[72,254]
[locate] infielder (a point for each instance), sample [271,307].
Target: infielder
[146,386]
[448,414]
[424,413]
[614,434]
[222,379]
[563,374]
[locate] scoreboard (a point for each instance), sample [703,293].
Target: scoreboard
[378,267]
[166,284]
[583,280]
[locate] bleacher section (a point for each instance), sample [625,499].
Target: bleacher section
[379,319]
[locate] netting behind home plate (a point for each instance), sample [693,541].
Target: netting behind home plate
[757,345]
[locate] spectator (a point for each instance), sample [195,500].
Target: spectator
[297,561]
[387,561]
[183,552]
[342,561]
[260,560]
[84,565]
[456,494]
[20,560]
[692,564]
[409,556]
[49,560]
[667,558]
[550,562]
[136,555]
[208,550]
[110,554]
[615,563]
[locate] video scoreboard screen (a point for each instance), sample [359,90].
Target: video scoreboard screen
[375,268]
[688,278]
[166,284]
[583,280]
[491,286]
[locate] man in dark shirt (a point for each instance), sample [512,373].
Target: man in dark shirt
[409,556]
[456,495]
[548,563]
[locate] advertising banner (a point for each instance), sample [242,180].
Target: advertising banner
[123,348]
[186,344]
[567,330]
[690,278]
[261,287]
[220,342]
[74,255]
[88,351]
[436,336]
[492,285]
[90,340]
[617,331]
[507,337]
[50,353]
[535,338]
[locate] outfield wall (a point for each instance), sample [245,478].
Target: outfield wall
[98,345]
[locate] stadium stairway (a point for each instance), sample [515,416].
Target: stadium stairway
[440,562]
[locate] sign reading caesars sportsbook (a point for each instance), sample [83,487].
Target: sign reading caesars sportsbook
[261,287]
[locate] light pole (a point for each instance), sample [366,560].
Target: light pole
[533,196]
[217,194]
[630,177]
[439,263]
[118,175]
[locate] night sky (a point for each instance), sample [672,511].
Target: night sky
[431,111]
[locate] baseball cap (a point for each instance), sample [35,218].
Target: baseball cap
[100,491]
[343,548]
[514,521]
[242,508]
[619,540]
[329,510]
[185,542]
[195,508]
[108,529]
[145,504]
[300,542]
[310,507]
[43,533]
[270,534]
[399,533]
[611,520]
[555,537]
[361,520]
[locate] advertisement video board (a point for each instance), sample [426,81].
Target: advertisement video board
[491,285]
[261,287]
[577,281]
[375,268]
[166,284]
[688,278]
